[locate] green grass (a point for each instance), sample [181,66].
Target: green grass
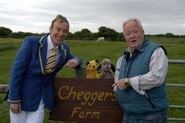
[89,50]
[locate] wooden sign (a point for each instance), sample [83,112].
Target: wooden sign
[85,101]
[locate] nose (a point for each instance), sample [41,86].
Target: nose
[132,35]
[61,32]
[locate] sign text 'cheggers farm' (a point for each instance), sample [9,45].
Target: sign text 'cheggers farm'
[85,101]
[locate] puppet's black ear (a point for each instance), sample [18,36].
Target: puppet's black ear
[112,67]
[87,63]
[99,67]
[97,61]
[164,50]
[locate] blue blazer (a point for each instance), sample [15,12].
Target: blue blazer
[28,81]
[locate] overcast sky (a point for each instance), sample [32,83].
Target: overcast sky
[163,16]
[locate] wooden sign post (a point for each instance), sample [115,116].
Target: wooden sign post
[85,101]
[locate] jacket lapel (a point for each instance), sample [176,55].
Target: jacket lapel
[62,58]
[42,52]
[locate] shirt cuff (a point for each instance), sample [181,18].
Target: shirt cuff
[115,88]
[14,101]
[134,82]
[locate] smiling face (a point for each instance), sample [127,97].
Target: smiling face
[59,31]
[134,34]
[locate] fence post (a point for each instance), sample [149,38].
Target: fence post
[3,88]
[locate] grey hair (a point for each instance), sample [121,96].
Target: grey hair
[134,20]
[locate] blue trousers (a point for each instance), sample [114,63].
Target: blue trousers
[145,118]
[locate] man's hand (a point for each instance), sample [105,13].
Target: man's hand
[72,63]
[15,107]
[121,84]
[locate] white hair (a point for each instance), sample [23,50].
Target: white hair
[134,20]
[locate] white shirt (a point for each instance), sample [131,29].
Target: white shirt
[155,77]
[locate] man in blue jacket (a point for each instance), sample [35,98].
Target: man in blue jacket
[140,77]
[36,64]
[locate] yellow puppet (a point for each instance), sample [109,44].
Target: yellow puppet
[92,69]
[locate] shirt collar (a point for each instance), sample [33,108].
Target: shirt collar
[50,43]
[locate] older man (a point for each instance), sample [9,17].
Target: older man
[140,77]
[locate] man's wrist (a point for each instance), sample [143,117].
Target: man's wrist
[127,82]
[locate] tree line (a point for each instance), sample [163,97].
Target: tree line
[84,34]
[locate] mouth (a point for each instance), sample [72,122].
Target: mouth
[133,41]
[106,69]
[60,38]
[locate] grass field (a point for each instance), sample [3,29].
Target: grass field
[89,50]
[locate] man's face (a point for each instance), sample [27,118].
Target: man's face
[59,32]
[134,35]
